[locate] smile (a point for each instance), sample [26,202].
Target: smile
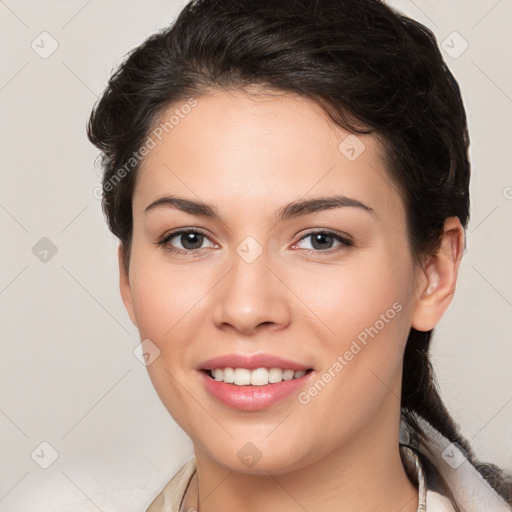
[243,395]
[257,377]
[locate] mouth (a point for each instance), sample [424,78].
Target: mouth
[252,382]
[254,377]
[257,389]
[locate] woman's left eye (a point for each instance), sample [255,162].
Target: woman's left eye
[322,241]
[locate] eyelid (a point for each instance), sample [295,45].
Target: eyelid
[327,231]
[169,234]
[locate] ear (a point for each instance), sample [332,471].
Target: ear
[124,284]
[438,278]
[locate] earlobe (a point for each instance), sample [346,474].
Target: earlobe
[437,283]
[124,284]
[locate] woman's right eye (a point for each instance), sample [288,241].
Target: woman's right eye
[190,241]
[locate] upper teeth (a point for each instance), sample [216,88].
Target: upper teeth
[258,377]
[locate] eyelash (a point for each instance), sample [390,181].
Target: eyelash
[164,241]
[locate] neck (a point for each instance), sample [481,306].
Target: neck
[364,473]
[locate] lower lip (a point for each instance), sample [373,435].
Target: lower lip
[252,398]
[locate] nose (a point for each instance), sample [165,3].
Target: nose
[252,296]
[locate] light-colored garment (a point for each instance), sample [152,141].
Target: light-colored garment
[467,485]
[169,500]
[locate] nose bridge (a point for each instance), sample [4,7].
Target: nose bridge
[250,293]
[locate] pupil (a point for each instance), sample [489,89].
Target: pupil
[194,239]
[319,238]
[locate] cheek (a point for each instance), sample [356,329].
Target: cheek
[167,305]
[368,312]
[164,299]
[364,311]
[349,298]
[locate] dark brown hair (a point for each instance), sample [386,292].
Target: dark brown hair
[372,69]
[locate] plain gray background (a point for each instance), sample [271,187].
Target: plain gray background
[68,374]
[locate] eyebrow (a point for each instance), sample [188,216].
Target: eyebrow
[291,210]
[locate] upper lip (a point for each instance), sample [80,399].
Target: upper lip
[251,362]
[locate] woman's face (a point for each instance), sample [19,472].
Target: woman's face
[332,289]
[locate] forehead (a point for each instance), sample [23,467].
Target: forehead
[264,148]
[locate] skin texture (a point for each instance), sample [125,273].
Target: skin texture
[249,155]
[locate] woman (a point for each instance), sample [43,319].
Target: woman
[235,144]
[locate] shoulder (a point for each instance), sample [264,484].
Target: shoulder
[169,499]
